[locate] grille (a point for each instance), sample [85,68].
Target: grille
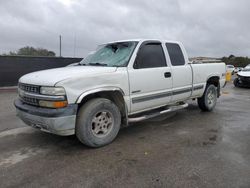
[29,88]
[245,79]
[29,100]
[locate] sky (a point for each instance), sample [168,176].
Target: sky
[213,28]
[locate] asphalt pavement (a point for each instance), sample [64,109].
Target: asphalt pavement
[189,148]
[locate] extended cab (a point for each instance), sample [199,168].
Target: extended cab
[121,82]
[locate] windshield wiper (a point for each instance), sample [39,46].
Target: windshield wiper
[98,64]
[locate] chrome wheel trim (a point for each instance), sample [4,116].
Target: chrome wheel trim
[211,98]
[102,124]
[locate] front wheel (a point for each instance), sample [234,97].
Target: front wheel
[98,122]
[208,100]
[236,82]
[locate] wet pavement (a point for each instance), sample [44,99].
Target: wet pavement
[189,148]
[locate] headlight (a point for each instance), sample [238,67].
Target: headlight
[52,100]
[52,91]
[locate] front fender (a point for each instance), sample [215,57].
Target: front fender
[96,90]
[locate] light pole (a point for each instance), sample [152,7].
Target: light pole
[60,46]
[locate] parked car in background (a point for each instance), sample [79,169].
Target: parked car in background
[230,68]
[237,69]
[243,79]
[248,66]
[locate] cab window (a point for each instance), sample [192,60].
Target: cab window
[150,55]
[175,54]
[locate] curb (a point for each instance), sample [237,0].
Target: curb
[7,89]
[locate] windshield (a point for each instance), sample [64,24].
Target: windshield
[111,55]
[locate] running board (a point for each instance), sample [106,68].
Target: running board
[148,116]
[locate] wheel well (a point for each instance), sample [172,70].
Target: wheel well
[215,80]
[115,96]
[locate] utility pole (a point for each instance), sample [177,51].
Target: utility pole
[60,45]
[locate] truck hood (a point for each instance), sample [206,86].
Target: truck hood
[244,73]
[52,76]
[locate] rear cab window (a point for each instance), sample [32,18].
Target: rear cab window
[175,54]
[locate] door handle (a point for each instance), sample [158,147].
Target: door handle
[167,74]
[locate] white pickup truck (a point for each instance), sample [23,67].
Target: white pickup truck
[121,82]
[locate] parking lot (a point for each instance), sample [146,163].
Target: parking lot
[189,148]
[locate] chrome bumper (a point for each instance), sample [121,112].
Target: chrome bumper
[56,121]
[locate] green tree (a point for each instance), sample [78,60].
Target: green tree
[236,61]
[31,51]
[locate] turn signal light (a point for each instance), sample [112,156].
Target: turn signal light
[53,104]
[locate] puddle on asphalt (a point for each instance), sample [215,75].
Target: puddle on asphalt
[224,92]
[183,132]
[212,140]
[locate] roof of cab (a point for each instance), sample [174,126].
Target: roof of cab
[145,39]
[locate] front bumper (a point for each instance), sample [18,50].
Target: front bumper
[57,121]
[244,81]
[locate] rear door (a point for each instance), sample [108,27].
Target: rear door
[181,72]
[150,78]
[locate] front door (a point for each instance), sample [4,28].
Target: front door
[150,78]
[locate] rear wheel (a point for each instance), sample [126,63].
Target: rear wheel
[208,100]
[98,122]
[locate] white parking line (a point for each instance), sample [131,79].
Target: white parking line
[16,131]
[14,157]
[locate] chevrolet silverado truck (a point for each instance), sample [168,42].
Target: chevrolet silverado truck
[121,82]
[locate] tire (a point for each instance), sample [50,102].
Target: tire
[209,98]
[98,122]
[236,82]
